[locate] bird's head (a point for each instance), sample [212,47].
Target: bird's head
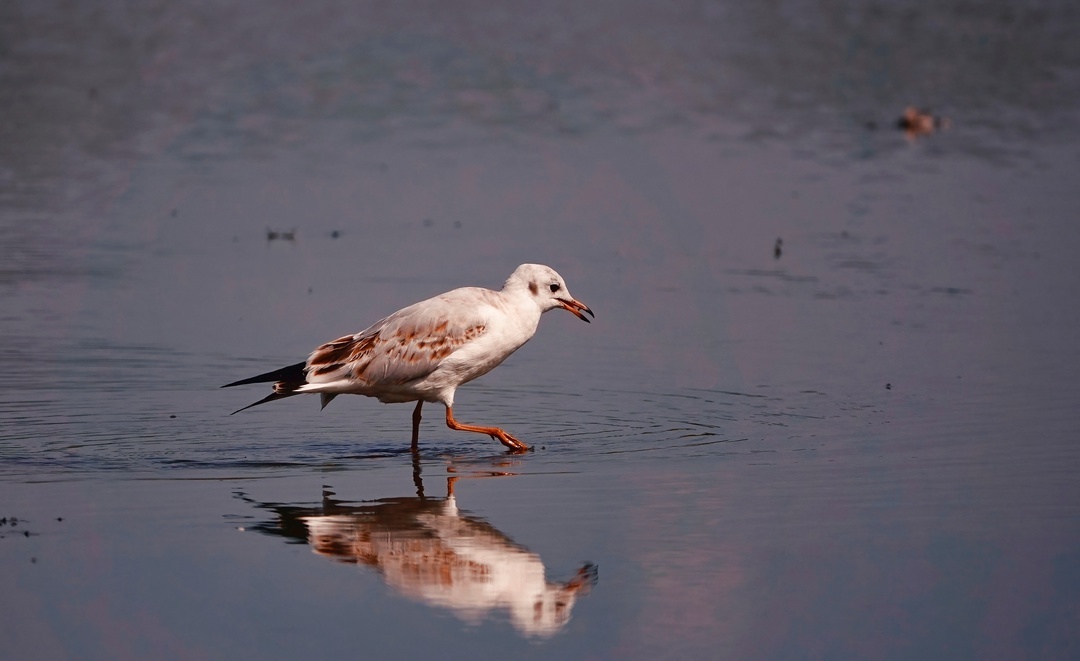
[547,288]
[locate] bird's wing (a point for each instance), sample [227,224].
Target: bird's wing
[407,345]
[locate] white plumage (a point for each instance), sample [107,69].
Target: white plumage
[423,352]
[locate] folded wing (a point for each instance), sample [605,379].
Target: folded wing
[404,347]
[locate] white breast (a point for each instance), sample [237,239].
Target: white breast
[511,321]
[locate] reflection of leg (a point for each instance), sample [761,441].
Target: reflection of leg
[417,480]
[416,425]
[501,436]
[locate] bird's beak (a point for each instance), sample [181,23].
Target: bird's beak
[576,307]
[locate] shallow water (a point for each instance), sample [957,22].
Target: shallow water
[856,442]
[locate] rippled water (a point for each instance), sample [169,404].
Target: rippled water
[827,409]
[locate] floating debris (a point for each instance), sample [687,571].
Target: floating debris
[917,122]
[275,235]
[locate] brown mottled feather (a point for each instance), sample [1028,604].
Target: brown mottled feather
[342,350]
[405,346]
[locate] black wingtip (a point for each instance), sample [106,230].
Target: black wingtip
[294,373]
[269,398]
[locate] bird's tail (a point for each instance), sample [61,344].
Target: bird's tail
[287,381]
[292,374]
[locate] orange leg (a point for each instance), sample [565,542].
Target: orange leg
[416,425]
[499,435]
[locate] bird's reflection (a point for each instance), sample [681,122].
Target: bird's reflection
[431,551]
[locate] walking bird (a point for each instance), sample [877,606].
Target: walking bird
[423,352]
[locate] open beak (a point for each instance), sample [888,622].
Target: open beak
[577,308]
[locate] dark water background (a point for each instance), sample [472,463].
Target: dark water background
[863,448]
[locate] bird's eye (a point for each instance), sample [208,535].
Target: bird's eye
[554,287]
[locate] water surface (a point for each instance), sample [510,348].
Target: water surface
[827,408]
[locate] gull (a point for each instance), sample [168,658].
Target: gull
[423,352]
